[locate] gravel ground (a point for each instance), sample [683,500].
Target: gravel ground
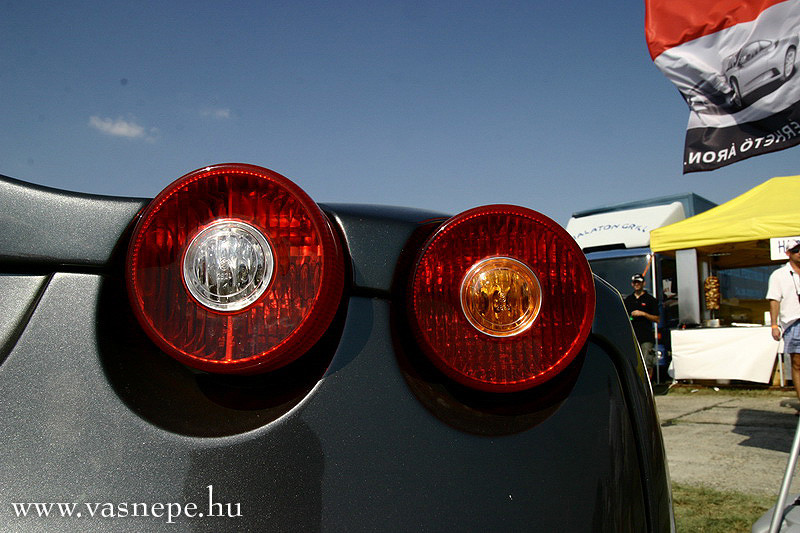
[729,441]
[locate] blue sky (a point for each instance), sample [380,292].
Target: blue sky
[440,105]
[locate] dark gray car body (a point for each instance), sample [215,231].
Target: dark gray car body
[360,434]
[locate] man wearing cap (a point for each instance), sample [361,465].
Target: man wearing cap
[643,311]
[783,293]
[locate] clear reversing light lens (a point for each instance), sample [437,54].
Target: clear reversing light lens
[228,265]
[501,296]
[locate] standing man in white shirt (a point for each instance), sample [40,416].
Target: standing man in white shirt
[783,294]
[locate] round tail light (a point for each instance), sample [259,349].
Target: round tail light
[234,269]
[502,298]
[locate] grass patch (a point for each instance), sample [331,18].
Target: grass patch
[705,510]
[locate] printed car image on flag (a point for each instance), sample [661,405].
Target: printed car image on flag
[735,63]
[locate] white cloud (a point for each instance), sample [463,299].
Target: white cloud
[222,113]
[122,128]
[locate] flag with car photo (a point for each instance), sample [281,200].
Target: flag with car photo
[735,64]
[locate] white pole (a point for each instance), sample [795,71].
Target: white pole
[777,516]
[654,278]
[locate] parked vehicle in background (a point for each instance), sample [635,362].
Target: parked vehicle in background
[233,356]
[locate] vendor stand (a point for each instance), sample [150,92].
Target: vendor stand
[729,243]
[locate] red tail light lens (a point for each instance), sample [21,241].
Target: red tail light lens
[502,298]
[234,269]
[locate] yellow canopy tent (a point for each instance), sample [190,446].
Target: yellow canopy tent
[737,232]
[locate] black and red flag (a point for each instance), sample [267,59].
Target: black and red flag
[735,64]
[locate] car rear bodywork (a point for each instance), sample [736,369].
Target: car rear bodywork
[360,433]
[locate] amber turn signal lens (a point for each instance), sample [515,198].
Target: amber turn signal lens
[501,296]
